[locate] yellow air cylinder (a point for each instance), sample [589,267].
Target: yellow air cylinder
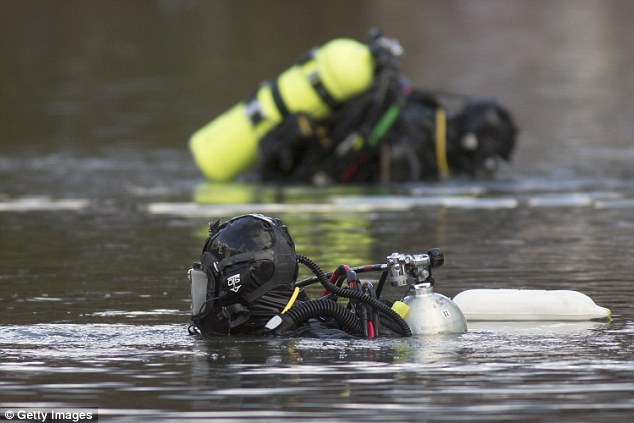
[337,71]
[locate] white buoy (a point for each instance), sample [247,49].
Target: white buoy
[528,304]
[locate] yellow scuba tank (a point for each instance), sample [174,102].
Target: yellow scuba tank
[337,71]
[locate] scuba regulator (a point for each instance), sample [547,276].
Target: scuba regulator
[366,315]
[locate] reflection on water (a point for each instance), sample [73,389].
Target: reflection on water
[102,211]
[81,333]
[307,378]
[102,313]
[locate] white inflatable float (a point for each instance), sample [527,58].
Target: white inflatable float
[427,312]
[528,305]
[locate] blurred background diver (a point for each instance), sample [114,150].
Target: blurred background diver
[344,113]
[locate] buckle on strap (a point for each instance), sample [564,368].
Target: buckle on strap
[236,314]
[254,111]
[320,89]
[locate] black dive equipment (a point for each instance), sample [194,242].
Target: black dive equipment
[388,132]
[365,314]
[245,283]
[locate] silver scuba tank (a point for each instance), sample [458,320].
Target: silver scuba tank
[430,313]
[198,279]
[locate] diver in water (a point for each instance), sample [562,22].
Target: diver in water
[245,284]
[402,135]
[344,113]
[245,276]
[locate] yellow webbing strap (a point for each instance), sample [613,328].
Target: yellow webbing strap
[291,301]
[304,125]
[441,143]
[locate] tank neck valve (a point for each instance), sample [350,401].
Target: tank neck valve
[402,267]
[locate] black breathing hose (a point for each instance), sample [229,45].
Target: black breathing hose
[300,313]
[355,295]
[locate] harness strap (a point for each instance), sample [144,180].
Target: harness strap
[291,301]
[384,124]
[282,277]
[242,257]
[441,143]
[320,89]
[236,314]
[277,98]
[315,79]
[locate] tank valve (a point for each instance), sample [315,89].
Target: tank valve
[436,257]
[416,266]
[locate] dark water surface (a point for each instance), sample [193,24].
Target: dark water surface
[102,211]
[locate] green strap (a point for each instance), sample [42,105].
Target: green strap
[384,124]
